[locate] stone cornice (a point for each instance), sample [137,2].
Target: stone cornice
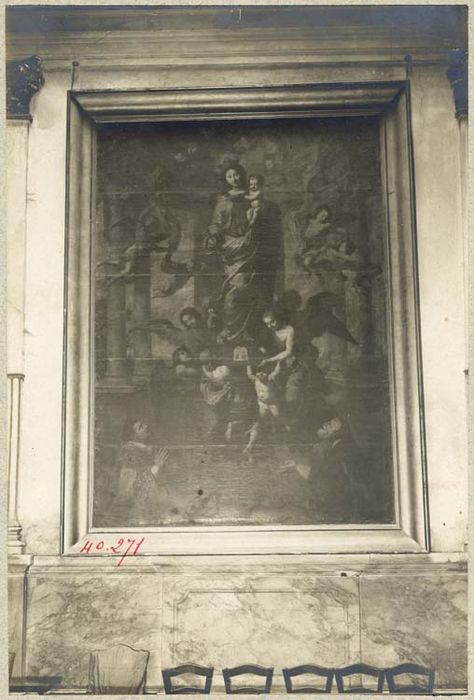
[320,565]
[440,21]
[214,47]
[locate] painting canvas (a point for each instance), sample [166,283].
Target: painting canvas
[241,325]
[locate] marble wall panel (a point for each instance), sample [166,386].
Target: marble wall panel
[421,619]
[269,620]
[227,619]
[16,584]
[70,615]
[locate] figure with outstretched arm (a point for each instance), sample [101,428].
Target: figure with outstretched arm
[284,335]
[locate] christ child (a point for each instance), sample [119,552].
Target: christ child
[254,197]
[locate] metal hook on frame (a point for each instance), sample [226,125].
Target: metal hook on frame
[75,73]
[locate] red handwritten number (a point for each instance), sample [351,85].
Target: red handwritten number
[139,544]
[87,546]
[130,545]
[119,544]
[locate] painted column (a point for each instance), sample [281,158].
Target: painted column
[142,364]
[116,370]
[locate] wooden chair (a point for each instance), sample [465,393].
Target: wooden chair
[290,673]
[230,673]
[119,670]
[37,685]
[410,669]
[359,670]
[202,671]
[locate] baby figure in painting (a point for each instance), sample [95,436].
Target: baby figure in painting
[268,400]
[267,391]
[254,197]
[320,241]
[217,392]
[219,376]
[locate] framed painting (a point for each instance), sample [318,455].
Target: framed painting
[242,366]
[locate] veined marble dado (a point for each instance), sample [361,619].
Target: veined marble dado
[272,621]
[225,618]
[421,619]
[73,614]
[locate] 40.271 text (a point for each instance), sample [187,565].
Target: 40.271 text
[131,545]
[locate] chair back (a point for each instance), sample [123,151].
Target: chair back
[326,673]
[360,670]
[246,669]
[186,670]
[119,670]
[412,686]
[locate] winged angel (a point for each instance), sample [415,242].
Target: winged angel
[324,247]
[295,329]
[158,231]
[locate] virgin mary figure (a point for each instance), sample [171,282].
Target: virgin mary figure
[237,239]
[232,237]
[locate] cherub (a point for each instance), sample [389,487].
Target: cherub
[217,391]
[314,237]
[267,391]
[242,414]
[320,237]
[157,230]
[269,401]
[219,376]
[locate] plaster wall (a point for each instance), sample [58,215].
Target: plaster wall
[440,249]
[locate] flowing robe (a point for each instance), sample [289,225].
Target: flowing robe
[234,240]
[250,253]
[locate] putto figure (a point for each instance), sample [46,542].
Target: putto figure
[319,236]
